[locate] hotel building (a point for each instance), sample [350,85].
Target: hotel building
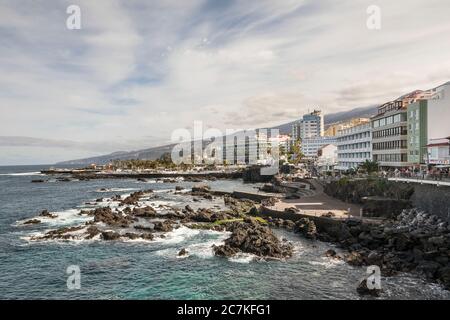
[311,125]
[354,146]
[310,146]
[390,135]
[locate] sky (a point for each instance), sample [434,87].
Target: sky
[138,70]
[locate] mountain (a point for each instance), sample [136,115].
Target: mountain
[329,119]
[156,152]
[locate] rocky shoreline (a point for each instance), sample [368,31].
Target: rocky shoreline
[131,220]
[413,242]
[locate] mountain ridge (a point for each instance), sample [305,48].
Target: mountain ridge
[155,152]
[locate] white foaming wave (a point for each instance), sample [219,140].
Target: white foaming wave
[148,181]
[327,263]
[155,204]
[79,235]
[22,174]
[163,190]
[242,258]
[204,249]
[66,217]
[178,235]
[115,190]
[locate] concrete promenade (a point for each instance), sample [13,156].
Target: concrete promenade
[422,181]
[319,203]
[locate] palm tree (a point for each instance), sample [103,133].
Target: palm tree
[370,166]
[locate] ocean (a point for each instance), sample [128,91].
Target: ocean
[152,269]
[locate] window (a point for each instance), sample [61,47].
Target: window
[389,120]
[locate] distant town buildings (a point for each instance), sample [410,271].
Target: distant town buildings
[333,130]
[411,132]
[310,126]
[354,146]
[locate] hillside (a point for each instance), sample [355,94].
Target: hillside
[156,152]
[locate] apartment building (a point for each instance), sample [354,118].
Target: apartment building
[390,135]
[427,123]
[310,146]
[333,130]
[311,125]
[354,146]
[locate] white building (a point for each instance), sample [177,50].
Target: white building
[438,117]
[245,147]
[438,152]
[310,126]
[310,146]
[354,146]
[327,158]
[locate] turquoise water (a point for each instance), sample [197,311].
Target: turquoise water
[152,270]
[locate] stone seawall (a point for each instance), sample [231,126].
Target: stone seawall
[432,199]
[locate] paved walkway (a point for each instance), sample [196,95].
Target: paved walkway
[421,181]
[319,203]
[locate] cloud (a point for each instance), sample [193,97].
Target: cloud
[146,68]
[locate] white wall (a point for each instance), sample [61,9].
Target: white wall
[439,114]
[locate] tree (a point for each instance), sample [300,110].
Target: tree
[295,154]
[370,166]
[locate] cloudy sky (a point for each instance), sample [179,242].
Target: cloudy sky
[137,70]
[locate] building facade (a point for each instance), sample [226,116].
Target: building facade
[438,152]
[310,126]
[327,158]
[333,130]
[428,121]
[310,146]
[390,135]
[438,115]
[354,146]
[417,131]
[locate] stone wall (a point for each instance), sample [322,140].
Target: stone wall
[432,199]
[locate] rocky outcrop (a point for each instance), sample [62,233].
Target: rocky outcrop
[110,235]
[270,202]
[282,223]
[32,221]
[61,233]
[251,237]
[307,228]
[253,174]
[111,218]
[415,241]
[133,198]
[363,289]
[146,212]
[47,214]
[239,206]
[163,226]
